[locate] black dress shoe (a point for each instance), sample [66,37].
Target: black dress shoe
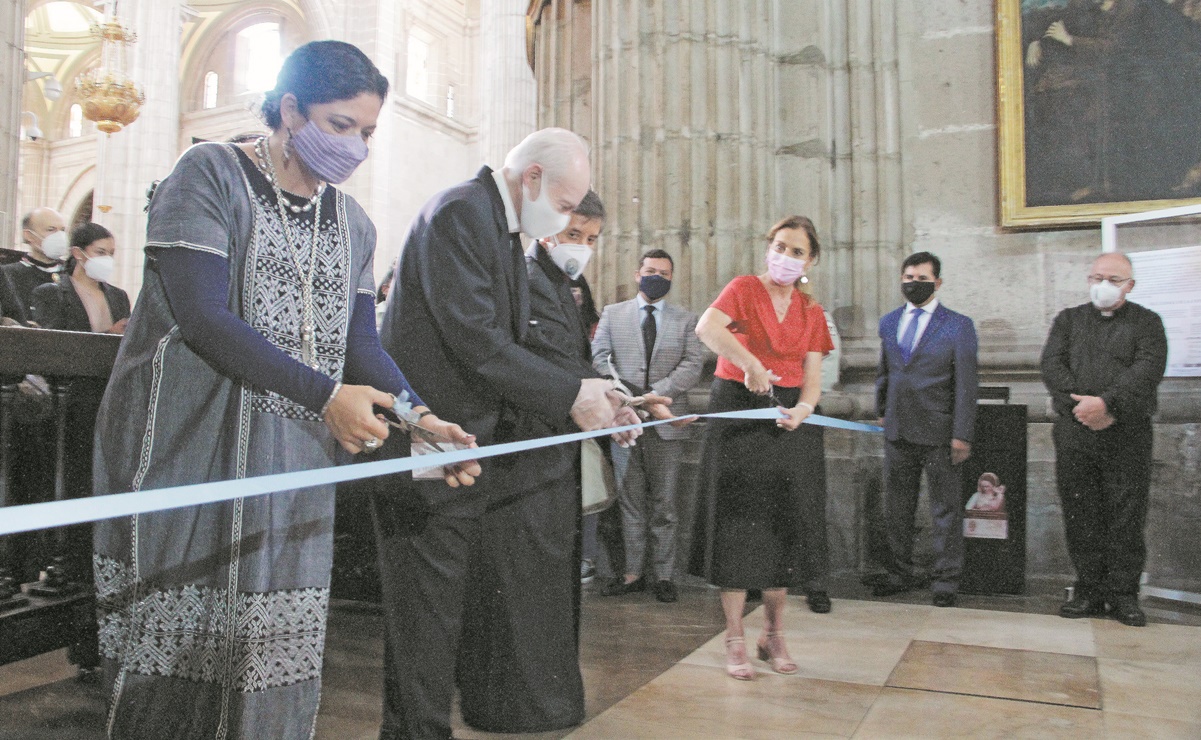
[665,591]
[819,602]
[1125,609]
[619,587]
[1082,606]
[888,588]
[944,598]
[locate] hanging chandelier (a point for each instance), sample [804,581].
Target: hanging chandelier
[109,96]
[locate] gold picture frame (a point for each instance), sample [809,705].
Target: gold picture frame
[1083,150]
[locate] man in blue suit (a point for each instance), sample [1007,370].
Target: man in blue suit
[926,397]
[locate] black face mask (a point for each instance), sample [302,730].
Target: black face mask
[654,287]
[917,292]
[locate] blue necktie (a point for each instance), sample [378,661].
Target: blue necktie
[909,338]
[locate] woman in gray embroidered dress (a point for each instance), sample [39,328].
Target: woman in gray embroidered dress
[252,350]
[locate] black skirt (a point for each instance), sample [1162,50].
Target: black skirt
[758,481]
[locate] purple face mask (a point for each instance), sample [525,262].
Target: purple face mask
[331,157]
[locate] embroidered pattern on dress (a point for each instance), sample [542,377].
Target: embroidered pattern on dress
[278,636]
[273,300]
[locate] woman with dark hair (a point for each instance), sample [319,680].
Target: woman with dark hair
[252,350]
[83,300]
[761,516]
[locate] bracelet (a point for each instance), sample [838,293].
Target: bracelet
[424,414]
[807,405]
[328,401]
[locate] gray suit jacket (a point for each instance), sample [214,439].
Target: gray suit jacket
[675,363]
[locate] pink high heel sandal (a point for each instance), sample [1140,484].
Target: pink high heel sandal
[780,663]
[743,671]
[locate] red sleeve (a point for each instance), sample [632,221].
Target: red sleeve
[732,301]
[819,339]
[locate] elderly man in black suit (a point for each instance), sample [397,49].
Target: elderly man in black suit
[457,323]
[926,392]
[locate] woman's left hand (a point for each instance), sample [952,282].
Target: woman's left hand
[793,418]
[461,474]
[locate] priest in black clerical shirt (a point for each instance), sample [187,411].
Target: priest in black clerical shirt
[45,234]
[1102,363]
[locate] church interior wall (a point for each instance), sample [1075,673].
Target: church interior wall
[425,141]
[875,117]
[883,117]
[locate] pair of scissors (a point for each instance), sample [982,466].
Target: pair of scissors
[628,397]
[403,417]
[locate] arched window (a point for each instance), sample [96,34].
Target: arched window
[210,90]
[258,56]
[75,127]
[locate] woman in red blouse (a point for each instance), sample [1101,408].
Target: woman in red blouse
[761,520]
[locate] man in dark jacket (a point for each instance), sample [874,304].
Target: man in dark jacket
[1102,363]
[926,397]
[519,668]
[45,235]
[457,323]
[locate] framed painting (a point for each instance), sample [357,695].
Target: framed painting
[1099,106]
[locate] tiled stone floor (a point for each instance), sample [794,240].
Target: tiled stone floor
[890,670]
[901,668]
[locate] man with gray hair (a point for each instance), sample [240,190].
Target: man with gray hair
[457,324]
[1102,363]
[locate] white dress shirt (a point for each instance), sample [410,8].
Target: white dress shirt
[658,314]
[923,320]
[510,211]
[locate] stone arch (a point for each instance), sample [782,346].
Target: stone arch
[83,211]
[81,188]
[194,61]
[318,16]
[59,117]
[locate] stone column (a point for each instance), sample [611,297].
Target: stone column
[12,81]
[683,139]
[507,90]
[563,64]
[839,156]
[867,218]
[146,150]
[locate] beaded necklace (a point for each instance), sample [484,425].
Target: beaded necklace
[308,353]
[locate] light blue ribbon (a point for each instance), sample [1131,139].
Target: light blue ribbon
[30,517]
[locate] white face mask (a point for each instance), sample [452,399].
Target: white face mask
[571,258]
[539,219]
[55,246]
[100,269]
[1105,295]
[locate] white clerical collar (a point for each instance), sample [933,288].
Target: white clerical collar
[510,212]
[642,304]
[928,308]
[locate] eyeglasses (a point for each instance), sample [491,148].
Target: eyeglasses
[1115,281]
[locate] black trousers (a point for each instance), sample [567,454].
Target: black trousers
[903,466]
[1104,481]
[479,590]
[423,557]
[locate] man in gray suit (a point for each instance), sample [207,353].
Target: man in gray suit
[653,347]
[926,397]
